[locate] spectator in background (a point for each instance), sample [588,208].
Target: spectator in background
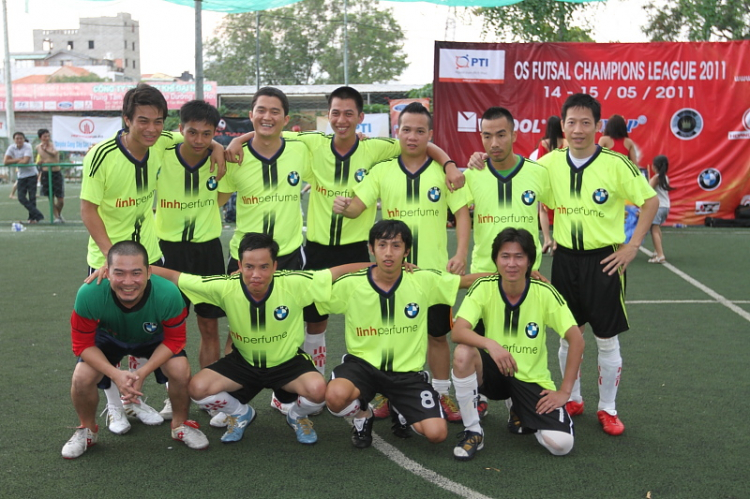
[553,137]
[660,183]
[19,153]
[616,138]
[46,153]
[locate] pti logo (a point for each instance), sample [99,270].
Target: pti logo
[411,310]
[464,61]
[150,327]
[86,126]
[532,330]
[600,196]
[293,178]
[686,124]
[281,313]
[212,183]
[359,175]
[709,179]
[528,197]
[434,194]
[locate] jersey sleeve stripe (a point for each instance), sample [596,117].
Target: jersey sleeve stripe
[552,289]
[101,154]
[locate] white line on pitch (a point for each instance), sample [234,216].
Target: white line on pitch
[660,302]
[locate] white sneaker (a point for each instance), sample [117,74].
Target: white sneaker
[279,406]
[117,422]
[218,419]
[81,440]
[144,412]
[166,413]
[189,433]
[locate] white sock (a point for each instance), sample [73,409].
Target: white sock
[466,396]
[562,356]
[348,411]
[222,402]
[442,386]
[315,346]
[113,395]
[135,363]
[610,367]
[558,443]
[303,408]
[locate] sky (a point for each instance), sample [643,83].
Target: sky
[163,23]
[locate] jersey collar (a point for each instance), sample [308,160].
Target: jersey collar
[513,173]
[185,163]
[418,172]
[138,306]
[253,301]
[505,298]
[263,159]
[348,154]
[587,163]
[378,289]
[124,150]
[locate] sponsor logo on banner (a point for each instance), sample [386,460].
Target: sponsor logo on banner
[86,126]
[632,123]
[529,126]
[707,207]
[475,66]
[467,121]
[744,134]
[686,124]
[709,179]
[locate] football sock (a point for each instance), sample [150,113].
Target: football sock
[610,367]
[350,410]
[558,443]
[466,396]
[113,395]
[303,408]
[562,355]
[222,402]
[315,345]
[135,363]
[442,386]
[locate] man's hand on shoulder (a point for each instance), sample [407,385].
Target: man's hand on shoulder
[476,161]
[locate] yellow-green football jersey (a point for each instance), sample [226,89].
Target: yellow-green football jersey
[590,201]
[521,328]
[268,332]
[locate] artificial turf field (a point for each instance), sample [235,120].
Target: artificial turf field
[683,399]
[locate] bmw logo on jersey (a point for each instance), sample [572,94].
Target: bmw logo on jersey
[528,197]
[212,183]
[434,194]
[150,327]
[411,310]
[281,313]
[359,175]
[532,330]
[293,178]
[600,196]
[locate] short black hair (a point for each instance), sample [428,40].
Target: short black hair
[389,229]
[416,108]
[127,248]
[257,240]
[19,133]
[495,113]
[616,127]
[272,92]
[520,236]
[199,111]
[143,94]
[344,93]
[584,101]
[41,132]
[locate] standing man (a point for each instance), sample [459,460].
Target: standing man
[509,360]
[46,153]
[590,186]
[19,153]
[132,314]
[409,188]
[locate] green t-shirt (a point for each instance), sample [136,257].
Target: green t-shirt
[268,332]
[520,328]
[505,201]
[268,194]
[389,330]
[590,201]
[421,200]
[187,209]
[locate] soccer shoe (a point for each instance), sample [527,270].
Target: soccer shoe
[469,444]
[218,419]
[483,406]
[144,412]
[81,440]
[303,428]
[282,407]
[380,407]
[399,427]
[166,413]
[189,433]
[574,408]
[117,422]
[452,413]
[610,424]
[362,439]
[236,426]
[514,425]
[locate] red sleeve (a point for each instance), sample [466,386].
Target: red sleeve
[82,332]
[541,150]
[175,332]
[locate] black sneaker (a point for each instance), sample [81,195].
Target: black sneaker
[399,426]
[469,444]
[514,425]
[362,439]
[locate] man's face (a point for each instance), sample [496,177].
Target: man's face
[257,268]
[414,134]
[198,136]
[44,138]
[580,128]
[146,126]
[268,117]
[389,254]
[344,117]
[19,140]
[512,263]
[128,277]
[498,138]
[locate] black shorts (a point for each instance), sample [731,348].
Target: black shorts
[197,259]
[292,261]
[497,386]
[410,393]
[254,379]
[321,257]
[593,296]
[439,320]
[58,185]
[115,350]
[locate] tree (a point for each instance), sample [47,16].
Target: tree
[302,44]
[536,21]
[698,20]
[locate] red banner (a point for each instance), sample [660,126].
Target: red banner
[104,96]
[689,101]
